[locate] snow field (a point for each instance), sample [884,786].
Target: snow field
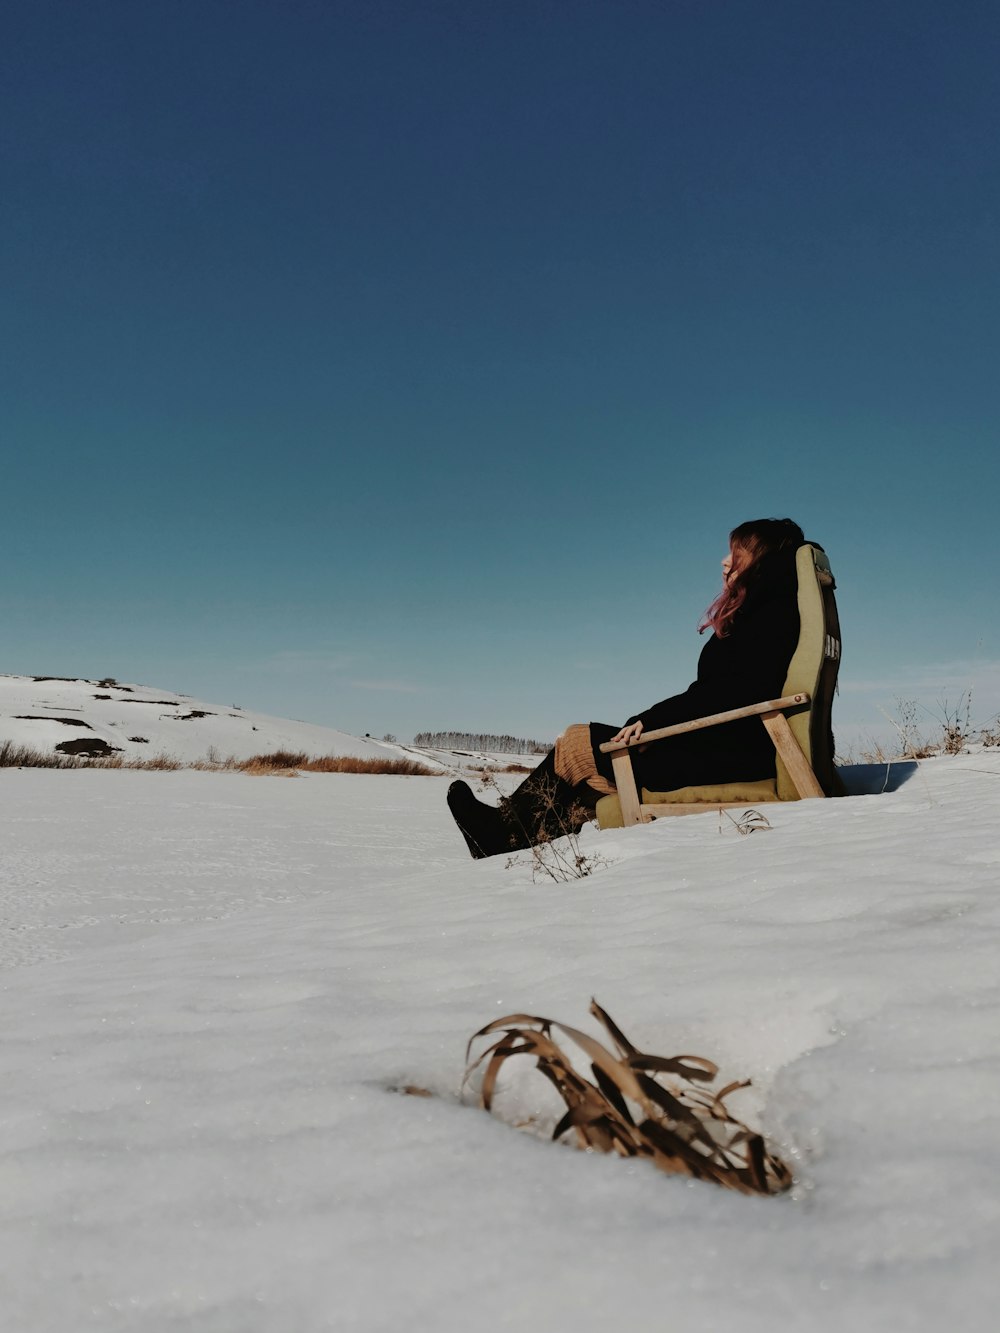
[213,983]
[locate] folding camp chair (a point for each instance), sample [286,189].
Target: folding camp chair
[798,723]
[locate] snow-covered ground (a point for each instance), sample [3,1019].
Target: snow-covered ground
[213,985]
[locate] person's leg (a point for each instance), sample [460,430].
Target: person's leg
[600,732]
[543,807]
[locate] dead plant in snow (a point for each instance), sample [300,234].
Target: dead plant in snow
[750,821]
[956,731]
[555,852]
[679,1124]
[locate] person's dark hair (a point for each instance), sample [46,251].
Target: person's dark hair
[749,544]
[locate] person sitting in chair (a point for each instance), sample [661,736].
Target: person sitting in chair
[755,629]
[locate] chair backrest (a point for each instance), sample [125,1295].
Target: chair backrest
[813,670]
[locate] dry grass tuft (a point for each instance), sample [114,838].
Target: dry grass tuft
[159,763]
[680,1126]
[25,756]
[278,763]
[13,755]
[289,761]
[750,821]
[274,759]
[407,768]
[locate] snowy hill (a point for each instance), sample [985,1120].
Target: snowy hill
[140,721]
[214,988]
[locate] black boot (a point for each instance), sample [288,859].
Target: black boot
[481,825]
[545,806]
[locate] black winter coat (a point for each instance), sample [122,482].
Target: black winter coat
[746,667]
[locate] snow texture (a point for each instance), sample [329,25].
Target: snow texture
[214,986]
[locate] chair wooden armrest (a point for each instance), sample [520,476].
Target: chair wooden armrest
[771,712]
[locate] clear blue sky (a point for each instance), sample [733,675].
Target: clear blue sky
[405,365]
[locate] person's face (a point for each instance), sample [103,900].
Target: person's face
[727,565]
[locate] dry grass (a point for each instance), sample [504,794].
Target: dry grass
[680,1125]
[26,756]
[331,763]
[954,730]
[750,821]
[287,761]
[273,759]
[269,771]
[159,763]
[284,763]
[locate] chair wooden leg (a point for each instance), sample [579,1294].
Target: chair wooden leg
[628,793]
[799,769]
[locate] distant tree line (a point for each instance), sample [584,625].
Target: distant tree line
[478,740]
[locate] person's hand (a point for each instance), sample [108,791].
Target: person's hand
[630,733]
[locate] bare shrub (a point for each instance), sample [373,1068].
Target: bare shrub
[956,723]
[627,1107]
[559,856]
[555,849]
[955,731]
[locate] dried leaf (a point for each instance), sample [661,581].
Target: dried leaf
[507,1022]
[688,1066]
[610,1090]
[615,1069]
[619,1038]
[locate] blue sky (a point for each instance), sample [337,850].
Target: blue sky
[405,365]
